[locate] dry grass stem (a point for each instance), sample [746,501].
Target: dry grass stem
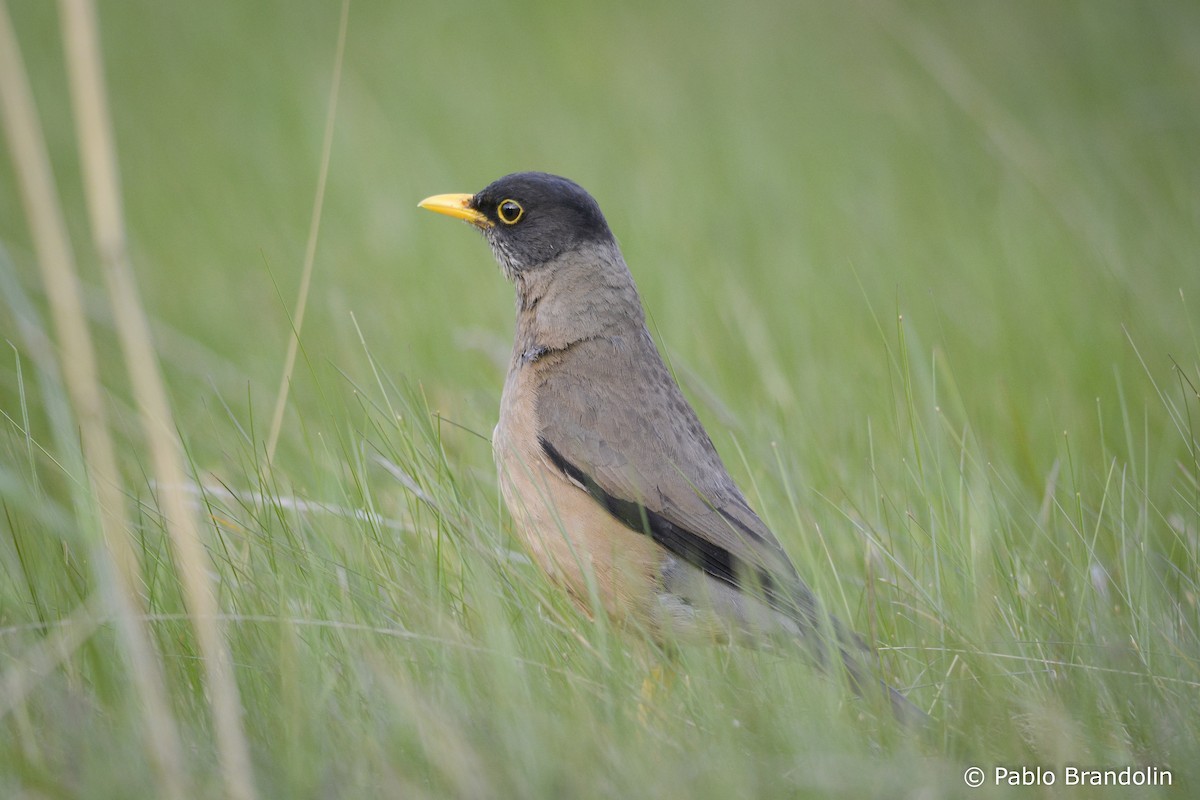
[94,130]
[310,250]
[56,261]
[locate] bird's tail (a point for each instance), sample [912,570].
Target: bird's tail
[855,652]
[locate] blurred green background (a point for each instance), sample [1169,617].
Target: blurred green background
[1018,181]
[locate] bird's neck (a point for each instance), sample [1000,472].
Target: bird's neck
[575,299]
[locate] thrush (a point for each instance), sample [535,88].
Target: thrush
[610,478]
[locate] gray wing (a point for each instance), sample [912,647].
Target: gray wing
[612,418]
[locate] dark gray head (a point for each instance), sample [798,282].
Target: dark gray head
[529,218]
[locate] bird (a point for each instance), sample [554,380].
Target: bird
[613,484]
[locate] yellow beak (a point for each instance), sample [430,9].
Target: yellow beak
[456,205]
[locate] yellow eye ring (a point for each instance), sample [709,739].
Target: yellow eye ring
[510,212]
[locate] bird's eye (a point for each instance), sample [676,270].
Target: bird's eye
[510,212]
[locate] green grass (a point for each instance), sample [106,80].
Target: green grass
[927,271]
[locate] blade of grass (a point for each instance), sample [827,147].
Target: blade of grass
[118,563]
[310,250]
[98,156]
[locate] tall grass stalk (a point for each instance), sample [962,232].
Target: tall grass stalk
[310,249]
[118,565]
[100,174]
